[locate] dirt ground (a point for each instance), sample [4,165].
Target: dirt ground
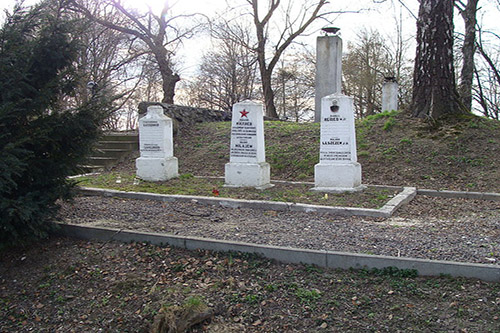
[113,287]
[68,285]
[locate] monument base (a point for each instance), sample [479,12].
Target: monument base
[337,178]
[157,169]
[256,175]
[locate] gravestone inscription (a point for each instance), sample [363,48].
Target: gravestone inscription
[157,162]
[247,165]
[338,169]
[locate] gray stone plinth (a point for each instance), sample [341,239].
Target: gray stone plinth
[389,96]
[328,69]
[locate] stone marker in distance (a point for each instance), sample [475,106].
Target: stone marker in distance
[338,170]
[157,161]
[247,165]
[390,94]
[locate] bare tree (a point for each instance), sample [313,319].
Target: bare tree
[294,23]
[364,67]
[294,86]
[487,75]
[227,74]
[368,60]
[159,34]
[105,64]
[487,93]
[108,66]
[434,89]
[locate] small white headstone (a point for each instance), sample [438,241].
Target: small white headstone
[247,165]
[157,161]
[338,169]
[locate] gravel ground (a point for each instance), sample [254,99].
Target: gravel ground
[431,228]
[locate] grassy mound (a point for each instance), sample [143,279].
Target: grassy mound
[393,149]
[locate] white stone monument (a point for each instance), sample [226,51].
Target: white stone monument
[390,94]
[338,170]
[247,166]
[328,69]
[157,161]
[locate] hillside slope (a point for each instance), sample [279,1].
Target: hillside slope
[393,149]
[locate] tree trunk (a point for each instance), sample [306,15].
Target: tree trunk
[468,51]
[169,81]
[169,78]
[434,89]
[265,71]
[268,94]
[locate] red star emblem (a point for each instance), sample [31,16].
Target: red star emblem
[244,113]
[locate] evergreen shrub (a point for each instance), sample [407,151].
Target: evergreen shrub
[42,138]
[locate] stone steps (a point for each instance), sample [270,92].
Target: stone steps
[129,145]
[110,150]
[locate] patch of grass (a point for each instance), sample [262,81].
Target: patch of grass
[389,124]
[189,185]
[364,153]
[467,160]
[379,199]
[194,301]
[369,121]
[389,272]
[389,151]
[178,267]
[251,299]
[307,296]
[312,269]
[271,287]
[406,141]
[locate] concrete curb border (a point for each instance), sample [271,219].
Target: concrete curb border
[328,259]
[459,194]
[402,198]
[386,211]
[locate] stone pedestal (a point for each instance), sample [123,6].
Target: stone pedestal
[390,94]
[247,166]
[337,178]
[256,175]
[328,70]
[338,169]
[157,162]
[157,169]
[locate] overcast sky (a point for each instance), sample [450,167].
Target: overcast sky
[378,15]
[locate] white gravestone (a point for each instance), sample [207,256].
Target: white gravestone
[247,165]
[338,169]
[390,95]
[157,161]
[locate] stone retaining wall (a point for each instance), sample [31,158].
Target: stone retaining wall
[185,116]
